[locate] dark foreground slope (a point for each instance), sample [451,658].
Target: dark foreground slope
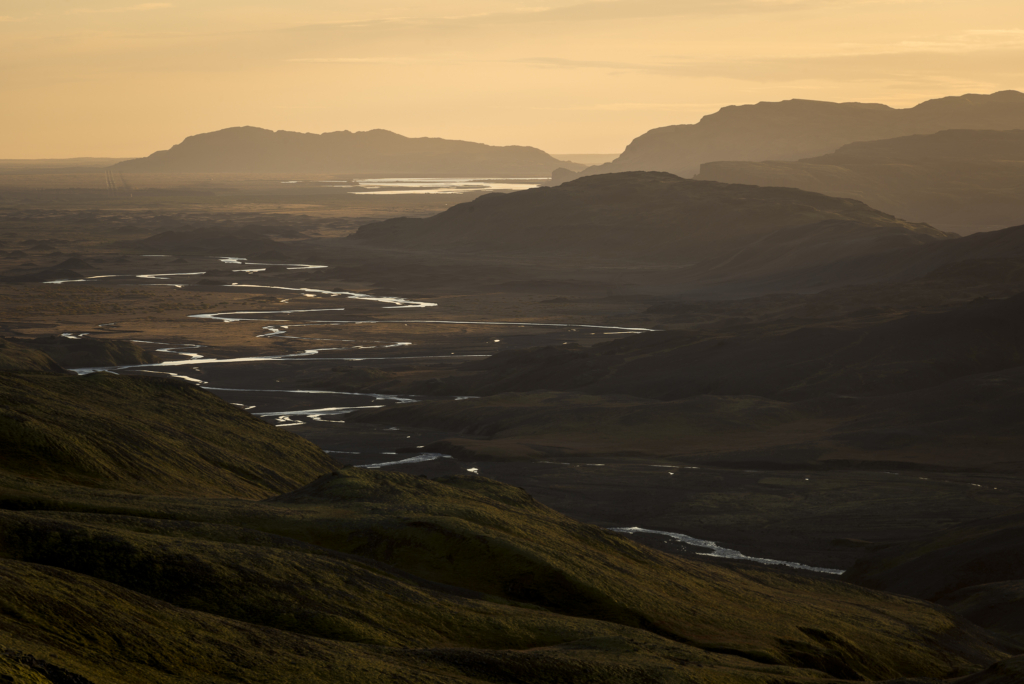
[17,356]
[797,129]
[85,351]
[367,576]
[975,567]
[366,153]
[960,180]
[710,231]
[146,435]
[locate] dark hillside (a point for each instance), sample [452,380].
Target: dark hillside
[960,180]
[143,435]
[469,563]
[710,230]
[118,534]
[975,568]
[17,356]
[82,352]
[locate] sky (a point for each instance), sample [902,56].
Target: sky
[120,78]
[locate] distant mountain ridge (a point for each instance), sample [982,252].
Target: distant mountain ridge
[959,180]
[714,232]
[380,153]
[797,129]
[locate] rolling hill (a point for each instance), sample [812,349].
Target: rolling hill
[140,569]
[959,180]
[709,230]
[377,153]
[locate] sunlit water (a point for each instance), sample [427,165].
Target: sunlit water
[716,551]
[427,186]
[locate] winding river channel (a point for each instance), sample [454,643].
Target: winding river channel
[329,406]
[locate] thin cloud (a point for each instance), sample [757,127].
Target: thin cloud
[144,7]
[362,60]
[994,51]
[595,10]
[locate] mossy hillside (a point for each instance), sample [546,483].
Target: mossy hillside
[146,435]
[111,634]
[996,606]
[561,567]
[90,352]
[459,565]
[15,356]
[279,583]
[974,568]
[1009,671]
[13,671]
[934,567]
[489,537]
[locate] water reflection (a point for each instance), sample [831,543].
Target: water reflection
[428,186]
[714,550]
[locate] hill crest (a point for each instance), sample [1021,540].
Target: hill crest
[249,149]
[798,129]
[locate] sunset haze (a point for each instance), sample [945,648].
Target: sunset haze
[117,78]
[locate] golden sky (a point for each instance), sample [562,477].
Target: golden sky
[125,78]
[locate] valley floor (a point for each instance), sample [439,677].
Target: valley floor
[363,352]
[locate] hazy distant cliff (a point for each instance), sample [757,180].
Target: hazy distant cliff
[367,153]
[958,180]
[796,129]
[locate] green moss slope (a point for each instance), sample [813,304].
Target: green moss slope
[144,435]
[15,356]
[140,550]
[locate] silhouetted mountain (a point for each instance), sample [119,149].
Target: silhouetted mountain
[376,153]
[797,129]
[958,180]
[716,231]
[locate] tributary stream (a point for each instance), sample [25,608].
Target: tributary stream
[327,406]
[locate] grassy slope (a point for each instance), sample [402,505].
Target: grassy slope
[498,572]
[144,435]
[15,356]
[89,352]
[974,568]
[368,576]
